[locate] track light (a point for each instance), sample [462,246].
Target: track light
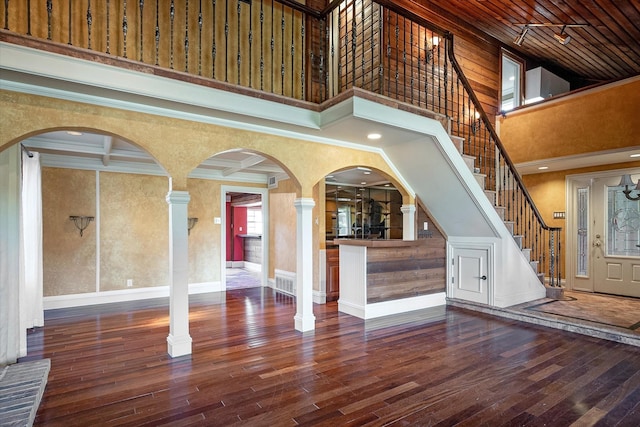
[562,37]
[520,39]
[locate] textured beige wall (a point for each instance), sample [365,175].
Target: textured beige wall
[179,146]
[69,261]
[204,241]
[134,231]
[583,123]
[282,227]
[548,193]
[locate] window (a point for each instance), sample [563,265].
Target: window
[623,224]
[512,70]
[583,232]
[254,220]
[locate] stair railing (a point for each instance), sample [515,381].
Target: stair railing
[470,121]
[291,50]
[378,46]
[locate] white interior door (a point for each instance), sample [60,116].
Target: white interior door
[470,275]
[615,245]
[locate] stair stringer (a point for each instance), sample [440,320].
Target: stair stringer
[437,173]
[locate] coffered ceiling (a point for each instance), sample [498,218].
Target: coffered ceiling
[606,48]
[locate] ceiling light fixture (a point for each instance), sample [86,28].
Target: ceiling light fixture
[520,39]
[74,133]
[543,168]
[374,136]
[635,155]
[562,37]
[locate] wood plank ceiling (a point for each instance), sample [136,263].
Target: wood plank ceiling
[606,49]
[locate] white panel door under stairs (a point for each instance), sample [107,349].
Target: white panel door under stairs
[469,278]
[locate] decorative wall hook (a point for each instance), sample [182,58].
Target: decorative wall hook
[81,222]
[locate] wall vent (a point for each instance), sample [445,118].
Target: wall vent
[272,182]
[286,282]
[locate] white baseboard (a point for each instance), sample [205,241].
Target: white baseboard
[319,297]
[235,264]
[252,266]
[106,297]
[387,308]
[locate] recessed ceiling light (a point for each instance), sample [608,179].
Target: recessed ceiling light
[542,168]
[374,136]
[74,133]
[329,176]
[387,185]
[363,183]
[367,173]
[635,155]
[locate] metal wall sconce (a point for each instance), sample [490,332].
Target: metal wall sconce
[475,125]
[81,222]
[627,182]
[191,223]
[431,48]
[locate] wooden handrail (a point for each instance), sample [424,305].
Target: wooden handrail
[492,132]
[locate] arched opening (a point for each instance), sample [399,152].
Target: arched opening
[116,191]
[246,198]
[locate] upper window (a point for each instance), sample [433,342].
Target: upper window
[512,70]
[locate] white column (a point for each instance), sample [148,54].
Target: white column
[408,222]
[179,340]
[304,319]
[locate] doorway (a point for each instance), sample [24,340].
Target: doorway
[244,235]
[603,253]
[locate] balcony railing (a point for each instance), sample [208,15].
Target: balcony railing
[297,51]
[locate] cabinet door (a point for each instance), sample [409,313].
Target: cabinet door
[333,274]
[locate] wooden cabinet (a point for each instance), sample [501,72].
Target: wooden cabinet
[333,274]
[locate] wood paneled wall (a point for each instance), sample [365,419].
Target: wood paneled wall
[259,44]
[403,272]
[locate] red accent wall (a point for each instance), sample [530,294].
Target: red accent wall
[236,224]
[229,230]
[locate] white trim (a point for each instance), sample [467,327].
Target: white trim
[576,161]
[264,197]
[106,297]
[97,225]
[387,308]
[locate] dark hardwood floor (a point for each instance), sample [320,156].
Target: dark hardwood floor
[249,367]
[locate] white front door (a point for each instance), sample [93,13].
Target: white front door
[603,235]
[616,239]
[470,275]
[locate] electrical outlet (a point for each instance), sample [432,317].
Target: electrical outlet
[129,283]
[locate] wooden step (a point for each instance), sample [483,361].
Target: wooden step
[458,142]
[470,161]
[491,195]
[518,240]
[501,211]
[527,253]
[510,226]
[480,177]
[534,265]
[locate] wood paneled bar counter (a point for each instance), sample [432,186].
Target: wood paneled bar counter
[384,277]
